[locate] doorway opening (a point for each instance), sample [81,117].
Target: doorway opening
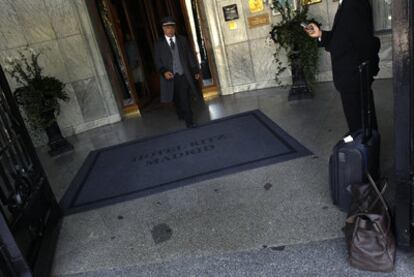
[203,48]
[131,29]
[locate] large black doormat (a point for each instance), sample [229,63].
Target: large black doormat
[150,165]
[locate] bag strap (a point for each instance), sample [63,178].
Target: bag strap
[377,191]
[378,199]
[356,218]
[381,198]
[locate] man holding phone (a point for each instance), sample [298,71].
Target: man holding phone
[350,43]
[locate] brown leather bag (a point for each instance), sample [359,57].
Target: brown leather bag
[371,244]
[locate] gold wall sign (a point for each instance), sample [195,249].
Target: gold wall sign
[310,2]
[256,6]
[258,20]
[232,25]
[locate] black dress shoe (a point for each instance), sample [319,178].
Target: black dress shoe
[190,124]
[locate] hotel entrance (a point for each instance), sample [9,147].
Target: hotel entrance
[127,31]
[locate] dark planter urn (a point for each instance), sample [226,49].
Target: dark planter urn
[57,143]
[299,89]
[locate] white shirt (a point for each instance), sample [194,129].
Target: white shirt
[340,2]
[168,39]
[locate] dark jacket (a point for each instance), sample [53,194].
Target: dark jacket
[351,42]
[164,62]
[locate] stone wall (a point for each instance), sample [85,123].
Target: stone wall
[62,30]
[244,56]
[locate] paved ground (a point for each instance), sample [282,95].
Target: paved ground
[276,220]
[324,258]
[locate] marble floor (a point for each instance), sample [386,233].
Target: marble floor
[259,222]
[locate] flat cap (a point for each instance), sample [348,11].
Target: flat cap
[168,20]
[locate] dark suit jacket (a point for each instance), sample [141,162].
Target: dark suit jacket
[164,62]
[350,42]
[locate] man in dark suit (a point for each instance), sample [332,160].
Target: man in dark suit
[179,69]
[350,43]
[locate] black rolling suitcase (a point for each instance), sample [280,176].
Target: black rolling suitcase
[351,160]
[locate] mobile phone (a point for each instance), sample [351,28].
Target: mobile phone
[306,26]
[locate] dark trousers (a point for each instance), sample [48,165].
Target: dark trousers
[182,98]
[352,105]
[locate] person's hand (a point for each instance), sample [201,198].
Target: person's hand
[313,30]
[168,75]
[197,76]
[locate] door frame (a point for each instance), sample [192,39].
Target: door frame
[206,35]
[209,46]
[189,35]
[118,36]
[115,78]
[403,86]
[38,261]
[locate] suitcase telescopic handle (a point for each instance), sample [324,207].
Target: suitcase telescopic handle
[365,100]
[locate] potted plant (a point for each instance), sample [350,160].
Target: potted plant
[39,97]
[302,51]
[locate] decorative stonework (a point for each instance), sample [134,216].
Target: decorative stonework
[63,32]
[35,21]
[77,58]
[64,17]
[10,27]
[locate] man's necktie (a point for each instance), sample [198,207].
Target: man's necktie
[172,44]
